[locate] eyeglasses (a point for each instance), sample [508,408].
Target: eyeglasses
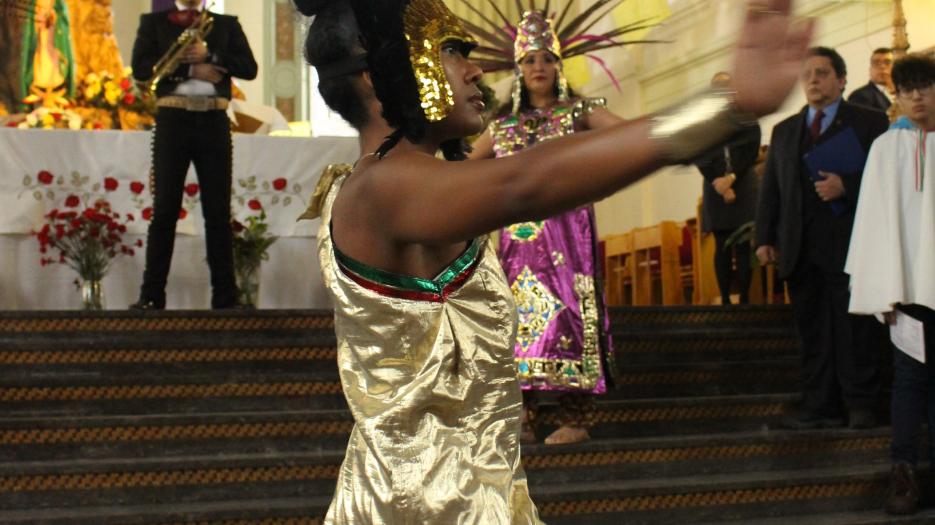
[923,90]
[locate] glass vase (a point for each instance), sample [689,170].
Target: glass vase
[92,294]
[248,285]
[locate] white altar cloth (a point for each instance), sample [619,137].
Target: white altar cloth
[41,169]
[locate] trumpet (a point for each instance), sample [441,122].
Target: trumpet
[171,60]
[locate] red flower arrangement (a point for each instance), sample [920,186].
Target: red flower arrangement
[87,241]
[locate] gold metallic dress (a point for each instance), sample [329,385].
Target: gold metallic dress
[428,373]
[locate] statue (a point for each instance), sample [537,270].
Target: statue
[12,17]
[92,32]
[47,66]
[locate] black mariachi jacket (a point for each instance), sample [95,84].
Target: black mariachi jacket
[227,45]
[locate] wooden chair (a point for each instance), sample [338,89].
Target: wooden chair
[656,260]
[687,259]
[618,274]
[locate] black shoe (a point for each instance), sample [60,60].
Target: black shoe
[147,305]
[860,418]
[902,497]
[806,419]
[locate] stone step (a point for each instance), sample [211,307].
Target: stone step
[659,346]
[734,497]
[697,318]
[613,417]
[51,385]
[705,378]
[281,474]
[172,435]
[157,480]
[20,326]
[740,498]
[868,517]
[263,511]
[29,450]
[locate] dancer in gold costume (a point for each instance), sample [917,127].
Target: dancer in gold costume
[423,314]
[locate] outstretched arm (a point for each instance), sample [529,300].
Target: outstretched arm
[414,198]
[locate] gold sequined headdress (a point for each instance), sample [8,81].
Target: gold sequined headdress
[535,32]
[404,40]
[428,25]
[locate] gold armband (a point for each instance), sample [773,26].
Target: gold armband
[696,125]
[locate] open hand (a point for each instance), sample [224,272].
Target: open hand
[767,254]
[196,53]
[831,187]
[208,72]
[769,55]
[729,196]
[722,184]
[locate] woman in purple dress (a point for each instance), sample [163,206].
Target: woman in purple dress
[562,344]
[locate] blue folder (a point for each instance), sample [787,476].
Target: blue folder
[841,154]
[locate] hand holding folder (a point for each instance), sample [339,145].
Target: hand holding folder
[841,154]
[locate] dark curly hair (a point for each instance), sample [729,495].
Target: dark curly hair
[381,24]
[332,43]
[913,71]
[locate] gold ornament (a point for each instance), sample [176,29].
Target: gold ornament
[428,25]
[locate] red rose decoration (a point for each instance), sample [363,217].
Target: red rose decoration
[110,183]
[182,215]
[72,201]
[236,226]
[279,184]
[137,187]
[129,99]
[147,214]
[45,177]
[255,205]
[125,84]
[191,189]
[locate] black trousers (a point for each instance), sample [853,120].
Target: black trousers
[914,393]
[724,266]
[840,352]
[183,137]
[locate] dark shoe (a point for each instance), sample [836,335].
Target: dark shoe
[147,305]
[858,419]
[806,419]
[903,494]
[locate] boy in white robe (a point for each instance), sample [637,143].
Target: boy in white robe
[891,261]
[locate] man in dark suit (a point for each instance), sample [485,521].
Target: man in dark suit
[875,95]
[191,127]
[805,226]
[729,202]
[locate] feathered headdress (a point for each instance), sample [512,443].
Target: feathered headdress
[503,44]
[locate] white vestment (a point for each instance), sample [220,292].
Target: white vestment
[892,251]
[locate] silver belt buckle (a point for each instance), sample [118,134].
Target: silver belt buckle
[198,103]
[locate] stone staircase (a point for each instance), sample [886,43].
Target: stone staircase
[238,418]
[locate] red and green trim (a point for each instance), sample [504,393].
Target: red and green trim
[408,287]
